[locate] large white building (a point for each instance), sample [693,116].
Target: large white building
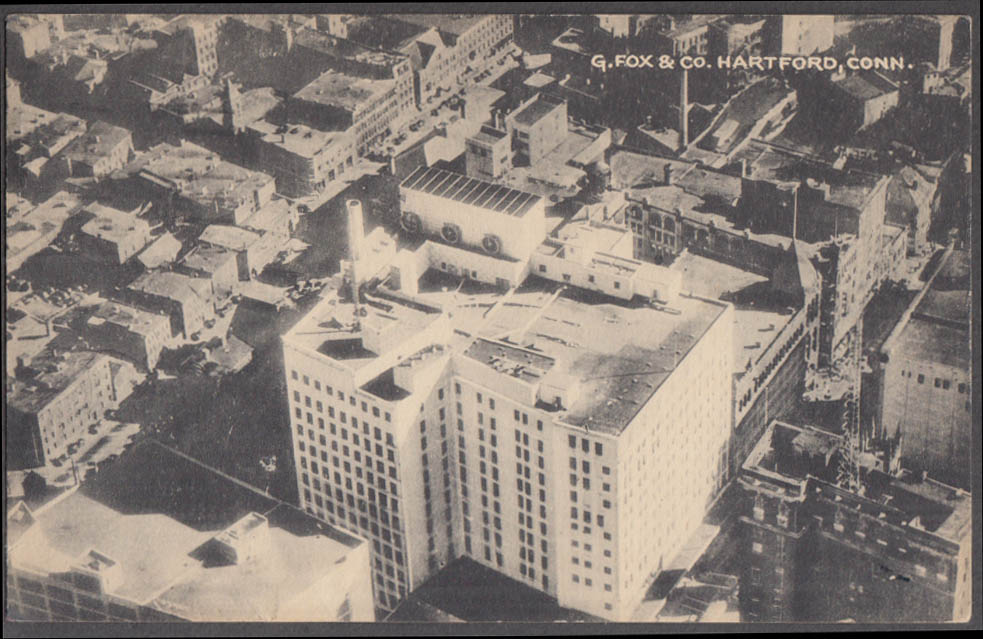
[159,537]
[564,438]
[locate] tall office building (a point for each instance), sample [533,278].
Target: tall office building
[562,437]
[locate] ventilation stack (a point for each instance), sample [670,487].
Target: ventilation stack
[356,235]
[683,110]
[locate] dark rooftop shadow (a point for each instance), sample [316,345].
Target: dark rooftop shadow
[152,479]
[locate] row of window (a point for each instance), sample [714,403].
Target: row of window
[940,382]
[294,375]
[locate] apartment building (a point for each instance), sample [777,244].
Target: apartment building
[52,401]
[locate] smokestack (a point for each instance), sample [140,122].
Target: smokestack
[683,110]
[356,229]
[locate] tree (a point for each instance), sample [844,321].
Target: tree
[35,487]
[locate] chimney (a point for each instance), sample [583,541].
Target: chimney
[667,173]
[744,171]
[356,232]
[683,110]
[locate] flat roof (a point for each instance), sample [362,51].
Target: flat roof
[100,140]
[382,32]
[536,110]
[298,139]
[775,163]
[207,259]
[40,128]
[231,237]
[488,135]
[172,286]
[865,85]
[471,191]
[938,329]
[55,374]
[161,251]
[451,23]
[757,316]
[344,49]
[134,319]
[152,513]
[343,91]
[112,224]
[618,353]
[328,327]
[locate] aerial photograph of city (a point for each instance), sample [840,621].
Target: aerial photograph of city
[490,318]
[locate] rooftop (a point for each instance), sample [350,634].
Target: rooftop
[741,113]
[341,48]
[865,85]
[207,259]
[55,373]
[343,91]
[153,513]
[230,237]
[172,286]
[112,224]
[775,163]
[198,174]
[100,140]
[447,23]
[384,33]
[758,315]
[298,139]
[488,135]
[162,250]
[792,455]
[471,191]
[329,327]
[536,110]
[133,319]
[42,131]
[938,328]
[618,354]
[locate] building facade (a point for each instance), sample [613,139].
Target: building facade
[303,160]
[52,402]
[131,333]
[818,552]
[112,236]
[927,385]
[436,446]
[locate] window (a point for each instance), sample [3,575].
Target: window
[757,548]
